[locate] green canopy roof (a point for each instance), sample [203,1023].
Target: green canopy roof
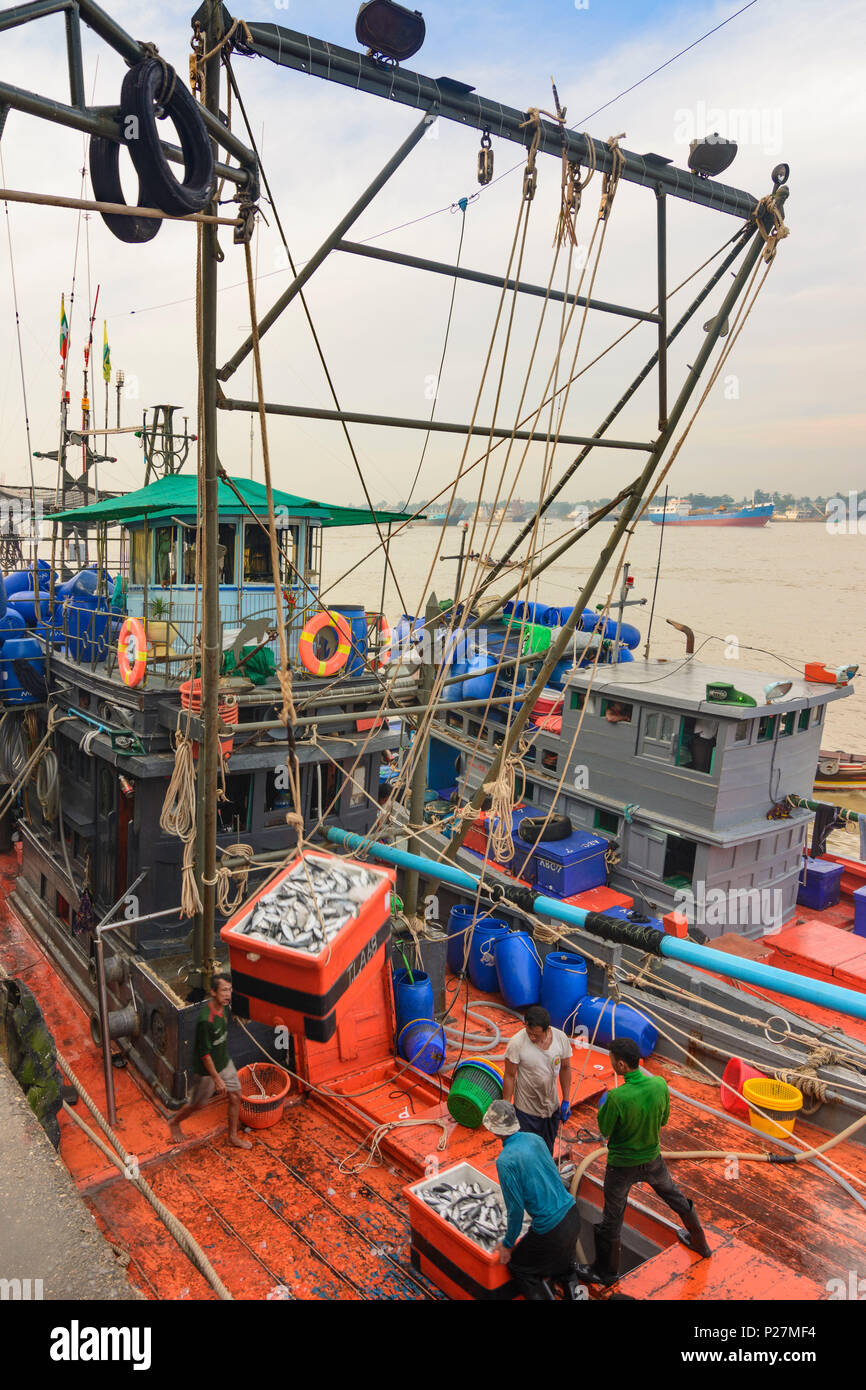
[177,494]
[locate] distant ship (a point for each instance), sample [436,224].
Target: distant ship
[679,512]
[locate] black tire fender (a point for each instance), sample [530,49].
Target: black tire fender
[104,160]
[533,830]
[141,86]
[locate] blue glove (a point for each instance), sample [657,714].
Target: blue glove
[564,1111]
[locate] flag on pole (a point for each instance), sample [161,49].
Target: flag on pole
[106,353]
[64,331]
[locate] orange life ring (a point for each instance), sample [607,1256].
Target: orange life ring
[307,644]
[380,633]
[132,652]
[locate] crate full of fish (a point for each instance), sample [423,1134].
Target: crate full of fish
[457,1219]
[300,946]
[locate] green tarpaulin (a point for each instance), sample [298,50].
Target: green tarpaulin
[177,495]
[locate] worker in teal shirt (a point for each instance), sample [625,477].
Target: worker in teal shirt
[530,1182]
[630,1118]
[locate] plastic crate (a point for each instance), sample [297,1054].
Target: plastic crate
[303,992]
[820,884]
[452,1261]
[565,867]
[859,896]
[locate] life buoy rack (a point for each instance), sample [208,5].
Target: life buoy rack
[132,652]
[307,644]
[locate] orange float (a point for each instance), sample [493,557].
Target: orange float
[307,644]
[132,652]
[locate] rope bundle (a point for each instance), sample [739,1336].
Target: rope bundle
[178,818]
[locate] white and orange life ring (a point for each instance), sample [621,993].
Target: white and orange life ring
[307,644]
[132,652]
[380,634]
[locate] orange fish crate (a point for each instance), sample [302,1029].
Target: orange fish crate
[302,992]
[450,1260]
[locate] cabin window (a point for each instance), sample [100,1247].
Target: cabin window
[257,555]
[803,721]
[578,699]
[327,784]
[819,714]
[278,796]
[454,720]
[188,543]
[697,744]
[679,865]
[529,755]
[616,712]
[658,735]
[164,558]
[767,728]
[498,739]
[138,557]
[226,553]
[787,725]
[358,787]
[234,812]
[743,731]
[608,821]
[474,728]
[549,759]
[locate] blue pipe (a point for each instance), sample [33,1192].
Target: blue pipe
[845,1001]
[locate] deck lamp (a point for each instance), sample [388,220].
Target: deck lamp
[389,30]
[711,155]
[776,689]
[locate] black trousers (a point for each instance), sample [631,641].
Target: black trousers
[546,1126]
[548,1255]
[618,1182]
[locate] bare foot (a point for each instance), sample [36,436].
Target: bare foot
[238,1142]
[177,1134]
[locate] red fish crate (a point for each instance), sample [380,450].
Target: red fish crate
[450,1260]
[294,989]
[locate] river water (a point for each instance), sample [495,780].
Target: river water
[794,591]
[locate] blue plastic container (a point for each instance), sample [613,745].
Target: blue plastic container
[460,920]
[859,896]
[823,884]
[606,1020]
[413,998]
[624,655]
[18,581]
[423,1043]
[565,867]
[479,681]
[518,970]
[12,624]
[32,606]
[629,636]
[489,931]
[356,616]
[563,986]
[530,612]
[450,693]
[84,582]
[19,648]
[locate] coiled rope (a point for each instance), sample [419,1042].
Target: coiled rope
[177,818]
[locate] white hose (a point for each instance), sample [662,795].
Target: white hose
[481,1042]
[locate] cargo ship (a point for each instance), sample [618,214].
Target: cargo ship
[200,715]
[679,512]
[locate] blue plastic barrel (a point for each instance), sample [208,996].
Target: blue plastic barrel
[450,693]
[624,655]
[12,624]
[413,997]
[563,986]
[2,597]
[84,582]
[530,612]
[479,681]
[607,1020]
[19,648]
[356,616]
[553,617]
[629,636]
[488,932]
[27,602]
[518,970]
[460,920]
[18,581]
[423,1043]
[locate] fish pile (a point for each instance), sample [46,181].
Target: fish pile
[310,905]
[477,1212]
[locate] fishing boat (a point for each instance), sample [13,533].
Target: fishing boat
[840,771]
[680,512]
[137,756]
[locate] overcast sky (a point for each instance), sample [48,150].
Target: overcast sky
[784,79]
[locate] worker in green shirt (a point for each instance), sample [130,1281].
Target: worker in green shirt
[630,1118]
[214,1069]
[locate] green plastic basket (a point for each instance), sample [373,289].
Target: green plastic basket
[536,638]
[472,1090]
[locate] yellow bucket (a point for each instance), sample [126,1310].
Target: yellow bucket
[777,1096]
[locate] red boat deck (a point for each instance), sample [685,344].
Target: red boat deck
[283,1221]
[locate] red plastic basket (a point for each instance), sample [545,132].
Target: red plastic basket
[264,1088]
